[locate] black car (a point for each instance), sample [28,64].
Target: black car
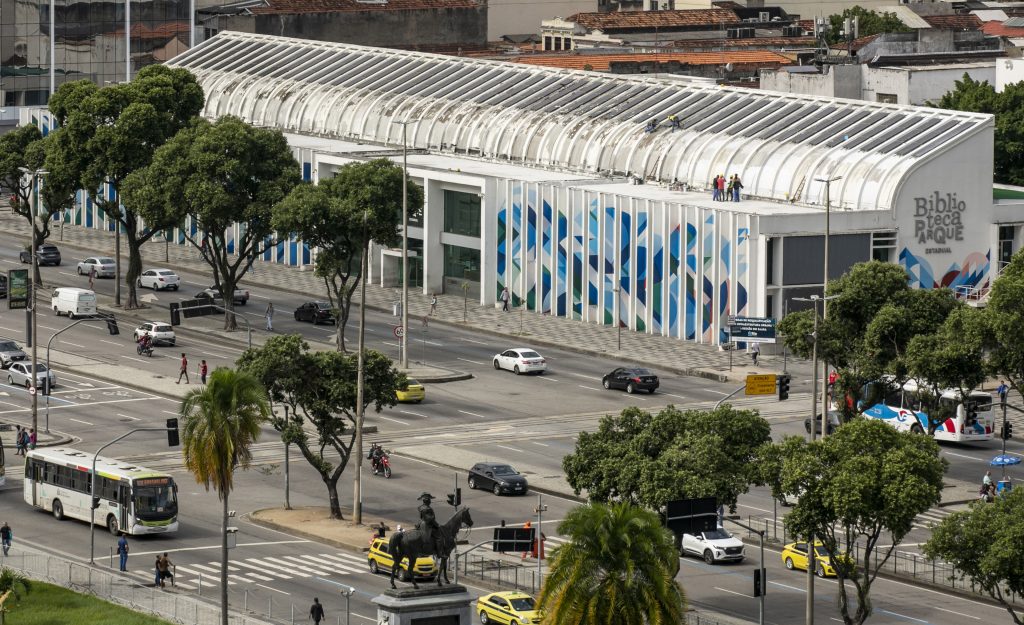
[317,312]
[632,379]
[500,478]
[47,254]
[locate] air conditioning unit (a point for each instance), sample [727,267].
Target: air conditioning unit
[765,16]
[792,31]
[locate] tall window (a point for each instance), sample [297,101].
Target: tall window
[883,246]
[462,263]
[462,213]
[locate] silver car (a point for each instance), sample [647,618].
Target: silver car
[10,353]
[19,374]
[103,266]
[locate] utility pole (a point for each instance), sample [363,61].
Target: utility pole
[34,271]
[540,542]
[357,494]
[405,246]
[824,293]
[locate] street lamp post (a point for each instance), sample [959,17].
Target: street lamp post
[405,245]
[827,181]
[357,494]
[34,271]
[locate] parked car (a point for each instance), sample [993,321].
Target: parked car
[316,312]
[160,333]
[715,546]
[520,360]
[47,254]
[19,374]
[794,556]
[380,561]
[414,392]
[241,295]
[159,279]
[510,607]
[500,478]
[632,379]
[10,353]
[102,265]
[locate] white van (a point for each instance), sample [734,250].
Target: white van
[73,302]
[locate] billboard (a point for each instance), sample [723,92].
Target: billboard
[17,289]
[752,329]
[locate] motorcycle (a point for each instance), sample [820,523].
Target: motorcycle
[141,349]
[383,465]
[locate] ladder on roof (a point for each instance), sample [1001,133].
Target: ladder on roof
[799,190]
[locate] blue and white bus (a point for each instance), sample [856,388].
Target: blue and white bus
[902,407]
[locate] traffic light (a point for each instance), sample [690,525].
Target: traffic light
[784,387]
[175,314]
[759,578]
[46,385]
[455,499]
[1006,431]
[95,502]
[172,432]
[451,499]
[112,327]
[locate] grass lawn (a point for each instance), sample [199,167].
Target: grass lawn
[53,605]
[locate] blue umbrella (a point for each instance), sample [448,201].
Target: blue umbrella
[1004,460]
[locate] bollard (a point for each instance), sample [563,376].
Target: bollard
[245,602]
[200,584]
[293,614]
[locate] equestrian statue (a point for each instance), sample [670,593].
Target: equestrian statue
[428,539]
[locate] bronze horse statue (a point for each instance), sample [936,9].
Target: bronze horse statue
[416,544]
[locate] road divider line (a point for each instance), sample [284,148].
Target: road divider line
[430,342]
[897,614]
[133,358]
[589,388]
[111,342]
[510,448]
[963,456]
[472,341]
[676,396]
[977,618]
[274,589]
[547,379]
[415,414]
[391,344]
[80,421]
[472,361]
[732,592]
[580,375]
[128,417]
[73,344]
[394,420]
[212,355]
[472,414]
[541,444]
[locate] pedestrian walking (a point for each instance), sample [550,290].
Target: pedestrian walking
[156,572]
[203,370]
[755,351]
[504,299]
[714,189]
[122,551]
[433,303]
[736,186]
[183,372]
[316,611]
[270,316]
[19,444]
[92,275]
[6,536]
[32,438]
[164,566]
[1002,389]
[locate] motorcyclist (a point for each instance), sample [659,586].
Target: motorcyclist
[376,453]
[145,343]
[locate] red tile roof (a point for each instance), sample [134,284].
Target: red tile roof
[601,62]
[954,22]
[656,19]
[856,44]
[340,6]
[754,42]
[806,25]
[997,29]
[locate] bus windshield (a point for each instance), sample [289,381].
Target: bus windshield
[155,499]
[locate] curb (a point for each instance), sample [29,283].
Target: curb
[287,529]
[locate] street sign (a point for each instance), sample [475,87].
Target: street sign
[752,329]
[399,332]
[31,390]
[762,384]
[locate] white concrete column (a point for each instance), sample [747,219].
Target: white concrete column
[488,242]
[433,225]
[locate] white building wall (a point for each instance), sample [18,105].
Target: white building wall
[1008,71]
[512,17]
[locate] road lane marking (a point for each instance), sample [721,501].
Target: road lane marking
[581,375]
[415,414]
[963,456]
[977,618]
[909,618]
[111,342]
[73,344]
[211,355]
[510,448]
[79,421]
[391,344]
[472,361]
[589,388]
[547,379]
[127,417]
[677,396]
[472,341]
[541,444]
[472,414]
[169,412]
[733,592]
[430,342]
[67,273]
[274,589]
[135,359]
[390,419]
[711,390]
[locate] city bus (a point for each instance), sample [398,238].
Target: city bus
[959,421]
[132,499]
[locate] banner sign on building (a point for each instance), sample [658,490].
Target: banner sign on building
[17,288]
[752,329]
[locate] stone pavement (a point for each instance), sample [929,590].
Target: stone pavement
[535,329]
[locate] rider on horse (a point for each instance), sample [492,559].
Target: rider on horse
[428,522]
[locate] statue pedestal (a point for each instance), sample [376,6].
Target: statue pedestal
[433,605]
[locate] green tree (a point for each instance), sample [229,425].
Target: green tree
[20,149]
[865,481]
[221,422]
[340,216]
[868,23]
[1005,324]
[106,134]
[649,459]
[14,582]
[618,568]
[319,389]
[219,175]
[985,548]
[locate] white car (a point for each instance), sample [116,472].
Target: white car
[159,279]
[520,360]
[19,374]
[103,266]
[160,333]
[715,546]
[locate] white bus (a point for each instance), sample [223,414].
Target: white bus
[901,407]
[133,499]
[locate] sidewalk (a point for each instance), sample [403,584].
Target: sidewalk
[659,352]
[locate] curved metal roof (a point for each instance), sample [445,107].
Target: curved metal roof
[576,120]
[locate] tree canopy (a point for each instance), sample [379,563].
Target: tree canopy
[224,178]
[340,216]
[868,23]
[319,389]
[648,460]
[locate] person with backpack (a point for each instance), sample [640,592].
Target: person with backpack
[316,611]
[6,537]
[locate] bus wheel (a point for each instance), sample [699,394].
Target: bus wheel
[916,429]
[112,525]
[58,510]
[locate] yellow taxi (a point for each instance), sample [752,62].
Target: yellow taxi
[380,561]
[414,392]
[508,608]
[794,556]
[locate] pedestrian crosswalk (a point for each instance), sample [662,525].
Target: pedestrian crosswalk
[932,517]
[269,568]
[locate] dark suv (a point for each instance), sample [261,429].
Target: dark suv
[317,312]
[47,254]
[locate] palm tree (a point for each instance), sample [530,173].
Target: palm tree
[13,582]
[221,421]
[618,567]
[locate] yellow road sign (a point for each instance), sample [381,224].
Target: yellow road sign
[760,384]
